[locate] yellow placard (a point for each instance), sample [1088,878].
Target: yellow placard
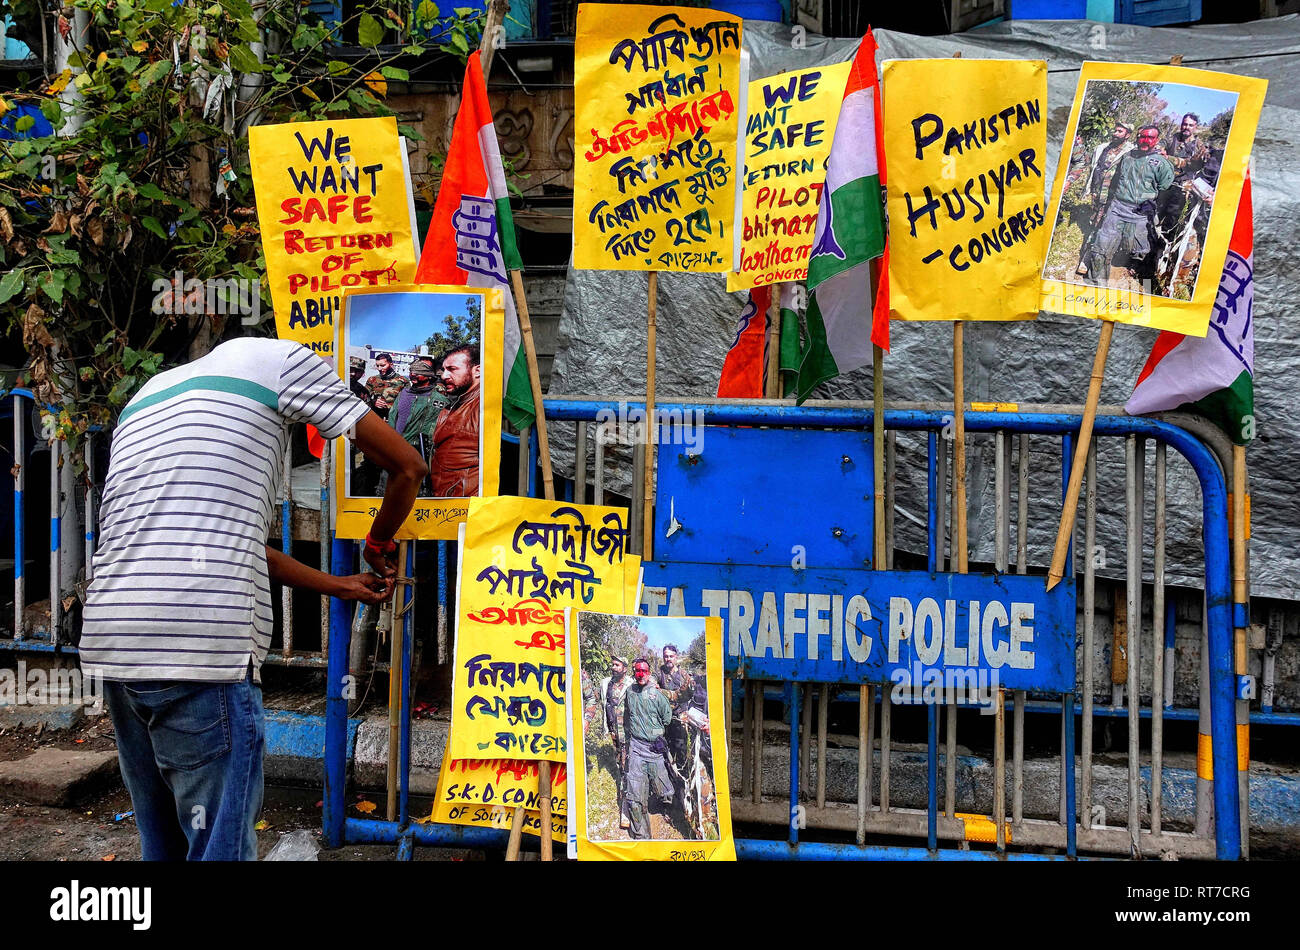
[1140,231]
[495,816]
[657,92]
[333,204]
[691,818]
[788,132]
[506,783]
[525,560]
[965,147]
[383,320]
[463,782]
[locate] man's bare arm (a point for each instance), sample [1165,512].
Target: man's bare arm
[369,588]
[384,446]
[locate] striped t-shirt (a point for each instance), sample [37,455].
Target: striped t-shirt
[180,589]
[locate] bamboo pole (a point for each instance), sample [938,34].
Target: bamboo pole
[1070,508]
[879,555]
[535,382]
[496,12]
[1241,595]
[959,443]
[652,432]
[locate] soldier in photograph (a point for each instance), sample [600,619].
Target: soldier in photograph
[610,696]
[646,714]
[415,412]
[384,387]
[1125,231]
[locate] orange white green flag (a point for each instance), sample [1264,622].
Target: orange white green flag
[471,238]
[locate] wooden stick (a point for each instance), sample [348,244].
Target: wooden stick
[395,681]
[959,443]
[1240,529]
[535,382]
[772,387]
[544,804]
[652,432]
[516,831]
[496,12]
[879,556]
[548,489]
[1071,507]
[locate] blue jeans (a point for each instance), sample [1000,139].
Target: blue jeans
[191,757]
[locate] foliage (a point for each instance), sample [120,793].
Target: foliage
[1110,101]
[603,637]
[95,222]
[459,331]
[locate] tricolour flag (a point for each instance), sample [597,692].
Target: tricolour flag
[850,231]
[1213,375]
[744,371]
[471,237]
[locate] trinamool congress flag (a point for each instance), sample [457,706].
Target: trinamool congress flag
[471,239]
[1212,375]
[850,231]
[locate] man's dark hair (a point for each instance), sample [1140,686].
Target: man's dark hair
[1193,116]
[469,349]
[383,356]
[670,646]
[1145,127]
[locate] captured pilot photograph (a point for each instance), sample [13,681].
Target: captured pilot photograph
[414,358]
[646,748]
[1143,166]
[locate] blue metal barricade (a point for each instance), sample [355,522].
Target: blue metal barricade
[1078,828]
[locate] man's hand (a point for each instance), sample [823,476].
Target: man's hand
[385,565]
[367,588]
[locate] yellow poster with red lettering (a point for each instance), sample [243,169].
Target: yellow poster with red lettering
[522,562]
[965,146]
[510,643]
[788,132]
[658,104]
[334,207]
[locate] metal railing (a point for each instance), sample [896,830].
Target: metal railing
[1217,829]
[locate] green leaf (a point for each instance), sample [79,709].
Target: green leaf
[121,391]
[154,225]
[337,67]
[52,284]
[394,72]
[242,60]
[10,284]
[51,109]
[154,71]
[426,13]
[370,32]
[280,74]
[415,49]
[248,31]
[24,123]
[458,40]
[150,190]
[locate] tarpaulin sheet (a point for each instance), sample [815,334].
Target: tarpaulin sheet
[601,341]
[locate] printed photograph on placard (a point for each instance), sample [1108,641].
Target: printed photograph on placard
[646,740]
[1143,169]
[414,358]
[427,360]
